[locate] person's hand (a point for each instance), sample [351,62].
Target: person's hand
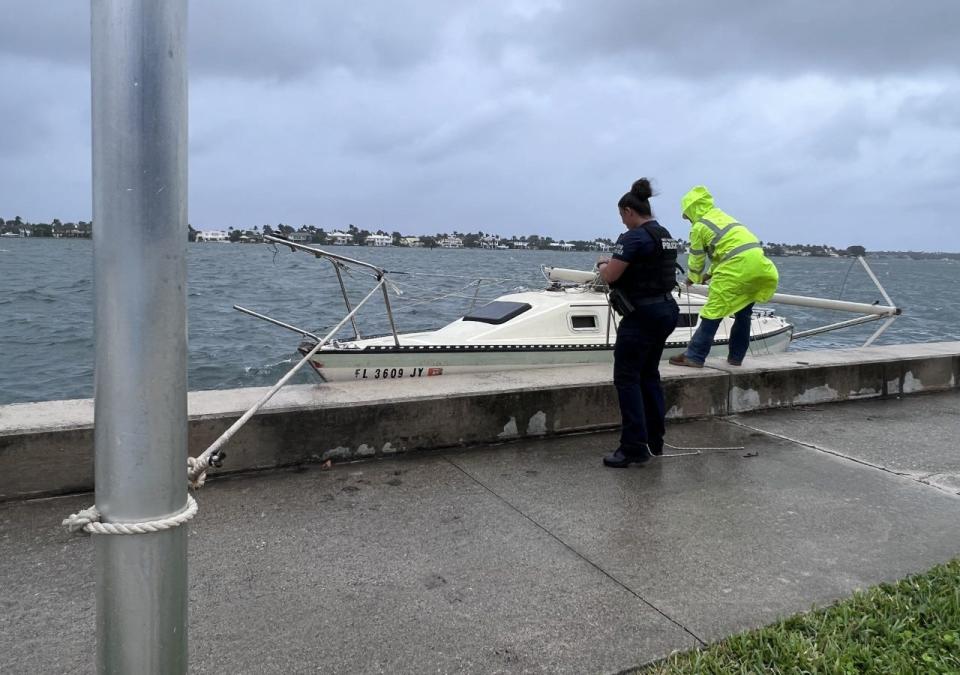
[688,282]
[601,261]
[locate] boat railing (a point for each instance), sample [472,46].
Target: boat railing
[338,262]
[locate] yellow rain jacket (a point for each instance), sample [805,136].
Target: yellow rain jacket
[739,271]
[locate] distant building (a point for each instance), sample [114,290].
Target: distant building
[379,240]
[213,235]
[519,244]
[600,246]
[490,241]
[450,242]
[300,237]
[563,246]
[340,238]
[412,242]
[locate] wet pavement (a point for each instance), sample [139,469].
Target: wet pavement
[523,557]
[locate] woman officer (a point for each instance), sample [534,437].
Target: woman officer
[641,275]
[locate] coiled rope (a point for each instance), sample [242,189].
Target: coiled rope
[88,521]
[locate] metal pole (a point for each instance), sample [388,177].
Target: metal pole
[139,106]
[820,303]
[346,298]
[386,302]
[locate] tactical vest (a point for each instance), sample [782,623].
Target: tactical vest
[656,274]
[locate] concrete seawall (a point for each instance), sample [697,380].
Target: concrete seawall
[47,448]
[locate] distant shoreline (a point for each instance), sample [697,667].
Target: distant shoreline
[832,253]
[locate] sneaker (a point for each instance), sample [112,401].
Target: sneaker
[619,459]
[684,360]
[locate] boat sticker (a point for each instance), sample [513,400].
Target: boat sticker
[434,371]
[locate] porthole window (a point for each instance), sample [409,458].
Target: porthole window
[584,322]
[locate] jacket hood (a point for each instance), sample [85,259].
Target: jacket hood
[695,204]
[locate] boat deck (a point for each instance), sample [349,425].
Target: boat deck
[527,557]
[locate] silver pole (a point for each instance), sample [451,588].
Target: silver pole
[139,120]
[303,332]
[346,298]
[820,303]
[836,326]
[203,460]
[386,302]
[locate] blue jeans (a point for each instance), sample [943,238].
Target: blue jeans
[636,374]
[702,340]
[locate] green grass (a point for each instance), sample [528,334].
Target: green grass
[912,626]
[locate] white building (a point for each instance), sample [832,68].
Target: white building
[561,245]
[340,238]
[412,242]
[213,235]
[379,240]
[301,237]
[519,244]
[451,242]
[600,245]
[490,241]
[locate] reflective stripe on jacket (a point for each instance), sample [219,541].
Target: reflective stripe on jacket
[740,272]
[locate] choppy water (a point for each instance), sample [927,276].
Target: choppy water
[46,305]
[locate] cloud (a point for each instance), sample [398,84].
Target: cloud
[703,38]
[833,122]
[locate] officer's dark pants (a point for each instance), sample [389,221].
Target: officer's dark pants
[636,374]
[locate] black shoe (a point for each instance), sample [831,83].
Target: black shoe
[621,460]
[656,451]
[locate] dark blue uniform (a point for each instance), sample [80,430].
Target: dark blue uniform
[647,282]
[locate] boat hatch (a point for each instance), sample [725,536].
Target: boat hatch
[687,320]
[497,312]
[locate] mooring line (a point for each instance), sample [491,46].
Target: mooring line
[576,552]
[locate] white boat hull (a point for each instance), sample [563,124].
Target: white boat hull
[389,362]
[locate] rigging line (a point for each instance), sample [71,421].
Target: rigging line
[410,307]
[427,290]
[451,292]
[460,276]
[457,292]
[845,277]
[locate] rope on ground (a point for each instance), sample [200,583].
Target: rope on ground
[88,520]
[686,452]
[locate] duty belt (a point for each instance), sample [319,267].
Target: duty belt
[652,300]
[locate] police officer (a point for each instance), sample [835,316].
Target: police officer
[641,275]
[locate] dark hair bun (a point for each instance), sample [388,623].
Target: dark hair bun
[641,189]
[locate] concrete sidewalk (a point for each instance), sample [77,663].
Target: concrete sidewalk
[527,557]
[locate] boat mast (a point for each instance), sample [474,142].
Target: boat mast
[139,124]
[873,312]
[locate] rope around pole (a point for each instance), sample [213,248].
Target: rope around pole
[88,520]
[197,472]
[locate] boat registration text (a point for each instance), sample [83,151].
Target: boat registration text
[394,373]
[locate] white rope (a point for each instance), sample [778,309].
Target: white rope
[88,520]
[686,452]
[200,473]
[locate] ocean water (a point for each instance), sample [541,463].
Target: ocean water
[46,304]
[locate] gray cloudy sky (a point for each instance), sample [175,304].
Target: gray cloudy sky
[814,121]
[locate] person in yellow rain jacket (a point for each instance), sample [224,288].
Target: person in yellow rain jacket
[739,275]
